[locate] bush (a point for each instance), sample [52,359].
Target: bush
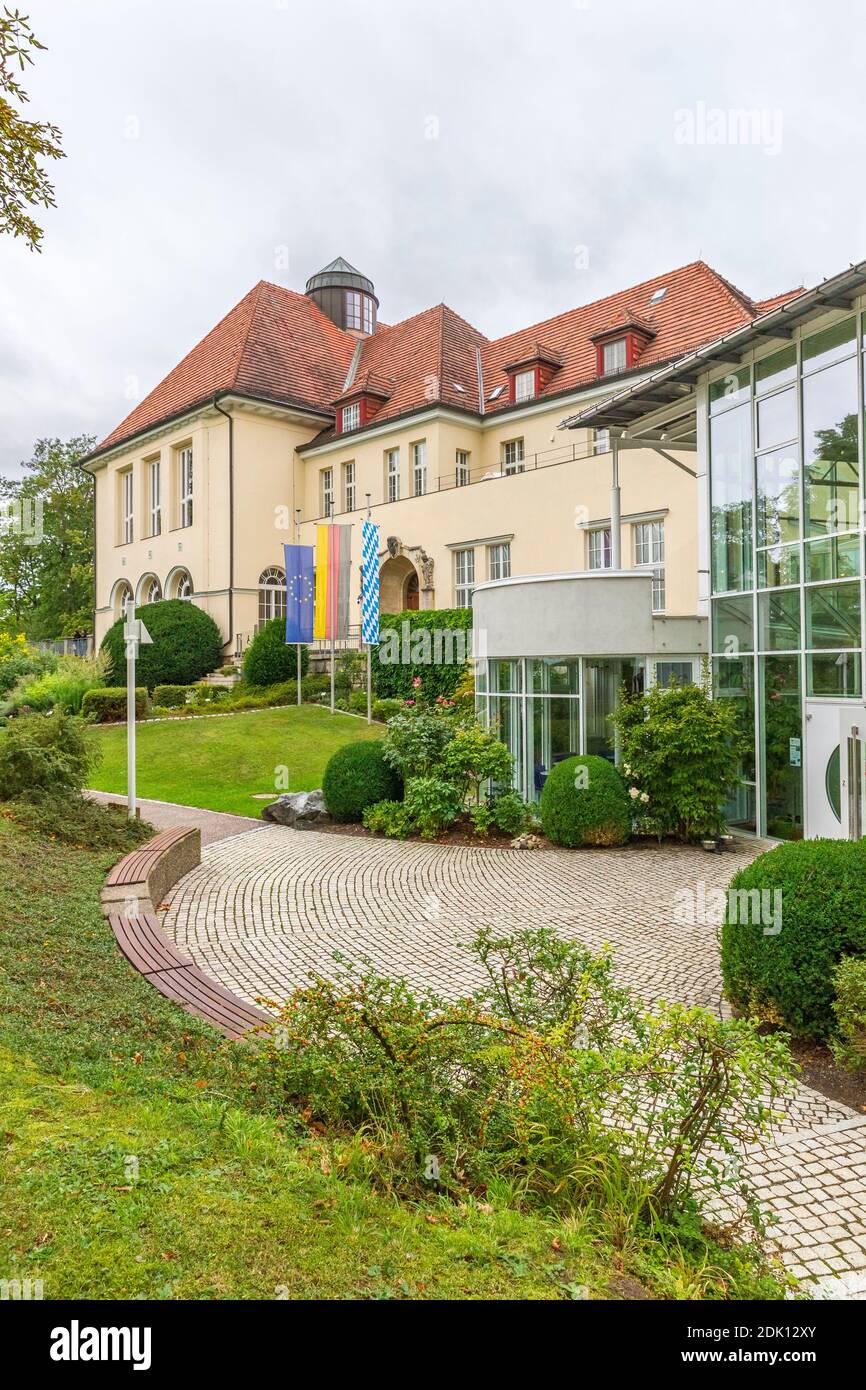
[356,777]
[187,644]
[432,804]
[849,1006]
[408,647]
[74,820]
[269,660]
[415,742]
[779,969]
[39,753]
[510,813]
[173,696]
[17,659]
[584,802]
[680,753]
[383,710]
[62,687]
[472,756]
[547,1080]
[388,818]
[108,705]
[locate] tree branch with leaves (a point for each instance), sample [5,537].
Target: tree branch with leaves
[24,145]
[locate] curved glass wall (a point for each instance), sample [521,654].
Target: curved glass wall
[786,547]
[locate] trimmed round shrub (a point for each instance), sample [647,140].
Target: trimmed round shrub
[356,777]
[791,915]
[268,660]
[584,802]
[108,704]
[187,644]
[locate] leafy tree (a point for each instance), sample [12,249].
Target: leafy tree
[23,144]
[46,542]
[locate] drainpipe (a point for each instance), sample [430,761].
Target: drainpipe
[217,406]
[615,513]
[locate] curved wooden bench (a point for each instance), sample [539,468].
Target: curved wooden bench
[133,885]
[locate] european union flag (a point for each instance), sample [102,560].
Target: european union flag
[300,593]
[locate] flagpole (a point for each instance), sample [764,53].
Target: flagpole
[298,645]
[369,645]
[331,587]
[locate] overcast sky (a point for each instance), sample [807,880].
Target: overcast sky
[513,159]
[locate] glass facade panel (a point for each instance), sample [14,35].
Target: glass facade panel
[730,390]
[731,499]
[834,673]
[782,741]
[829,345]
[835,557]
[777,418]
[778,566]
[605,680]
[733,629]
[775,370]
[555,675]
[778,480]
[553,727]
[830,449]
[506,717]
[779,620]
[734,679]
[505,677]
[833,616]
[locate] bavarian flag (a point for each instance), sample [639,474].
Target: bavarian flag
[369,582]
[300,592]
[333,574]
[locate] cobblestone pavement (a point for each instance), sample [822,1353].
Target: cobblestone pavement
[267,907]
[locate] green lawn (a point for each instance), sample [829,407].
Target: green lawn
[220,763]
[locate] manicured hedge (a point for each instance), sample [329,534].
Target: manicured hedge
[786,976]
[187,644]
[584,802]
[108,704]
[268,660]
[356,777]
[416,640]
[171,696]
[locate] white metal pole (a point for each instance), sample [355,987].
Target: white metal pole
[298,670]
[331,605]
[130,720]
[615,512]
[369,683]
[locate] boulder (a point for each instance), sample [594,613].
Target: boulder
[300,809]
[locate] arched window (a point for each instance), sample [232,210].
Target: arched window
[122,594]
[272,594]
[183,584]
[152,591]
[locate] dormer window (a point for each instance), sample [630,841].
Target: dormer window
[524,386]
[614,357]
[351,416]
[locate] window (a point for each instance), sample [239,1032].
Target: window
[512,456]
[351,416]
[353,309]
[464,577]
[496,393]
[601,441]
[598,549]
[658,295]
[348,487]
[183,585]
[272,594]
[327,497]
[462,469]
[152,591]
[524,386]
[153,497]
[674,673]
[613,357]
[649,549]
[392,475]
[126,495]
[419,468]
[186,486]
[499,560]
[122,596]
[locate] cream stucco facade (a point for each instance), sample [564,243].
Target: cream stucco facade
[533,487]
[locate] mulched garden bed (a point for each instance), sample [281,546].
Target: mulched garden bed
[822,1072]
[457,835]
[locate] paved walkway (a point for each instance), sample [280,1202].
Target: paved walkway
[165,815]
[267,907]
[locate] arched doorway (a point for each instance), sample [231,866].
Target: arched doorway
[398,585]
